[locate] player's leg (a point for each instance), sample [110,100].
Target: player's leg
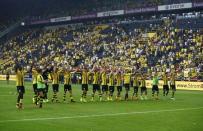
[119,89]
[135,92]
[93,91]
[153,91]
[54,95]
[111,91]
[157,92]
[57,90]
[70,93]
[173,91]
[127,88]
[65,91]
[99,91]
[34,99]
[41,96]
[85,89]
[46,92]
[142,91]
[18,98]
[21,91]
[145,91]
[164,90]
[167,90]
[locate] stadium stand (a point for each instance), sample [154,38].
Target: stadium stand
[125,44]
[144,43]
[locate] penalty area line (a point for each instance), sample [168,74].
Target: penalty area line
[100,115]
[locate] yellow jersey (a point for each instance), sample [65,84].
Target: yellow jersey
[118,79]
[165,79]
[142,83]
[96,78]
[111,79]
[85,76]
[136,82]
[172,81]
[104,78]
[127,77]
[55,77]
[67,78]
[34,77]
[19,78]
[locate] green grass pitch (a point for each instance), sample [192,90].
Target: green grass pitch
[183,114]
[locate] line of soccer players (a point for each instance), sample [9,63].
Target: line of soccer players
[104,83]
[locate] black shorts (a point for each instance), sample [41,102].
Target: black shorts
[96,87]
[85,87]
[104,88]
[34,87]
[165,87]
[119,88]
[143,88]
[41,90]
[111,88]
[155,88]
[173,87]
[127,87]
[7,78]
[135,89]
[21,89]
[67,87]
[55,87]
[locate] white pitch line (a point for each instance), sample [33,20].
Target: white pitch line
[100,115]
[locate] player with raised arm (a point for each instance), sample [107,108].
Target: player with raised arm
[118,78]
[67,84]
[85,75]
[104,83]
[55,83]
[96,83]
[165,86]
[111,84]
[173,84]
[135,86]
[127,82]
[143,87]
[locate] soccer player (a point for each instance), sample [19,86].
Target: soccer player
[173,85]
[96,85]
[85,76]
[155,88]
[118,78]
[143,88]
[34,84]
[45,73]
[40,87]
[67,85]
[135,86]
[111,86]
[55,83]
[165,86]
[104,83]
[20,86]
[127,80]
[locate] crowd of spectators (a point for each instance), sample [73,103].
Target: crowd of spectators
[123,45]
